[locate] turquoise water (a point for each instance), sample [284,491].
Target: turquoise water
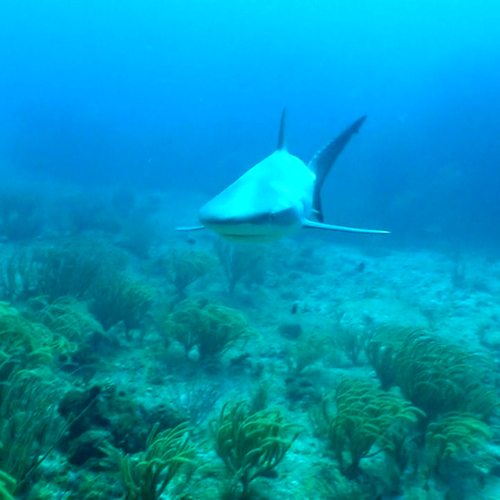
[321,366]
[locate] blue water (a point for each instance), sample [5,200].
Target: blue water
[187,94]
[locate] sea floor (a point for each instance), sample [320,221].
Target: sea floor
[312,285]
[302,297]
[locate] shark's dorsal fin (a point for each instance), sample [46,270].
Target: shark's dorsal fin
[281,137]
[322,162]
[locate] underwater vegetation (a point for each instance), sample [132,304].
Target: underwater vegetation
[358,416]
[210,328]
[185,267]
[436,376]
[453,435]
[67,269]
[332,485]
[120,298]
[7,484]
[21,215]
[351,341]
[449,385]
[68,319]
[30,424]
[250,444]
[239,262]
[147,475]
[202,371]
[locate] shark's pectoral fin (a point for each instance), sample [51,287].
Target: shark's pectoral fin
[309,224]
[190,228]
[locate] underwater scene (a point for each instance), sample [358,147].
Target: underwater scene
[249,250]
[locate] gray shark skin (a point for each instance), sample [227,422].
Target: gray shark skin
[277,197]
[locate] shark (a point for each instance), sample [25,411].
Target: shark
[278,196]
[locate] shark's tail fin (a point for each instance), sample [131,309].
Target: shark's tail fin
[323,160]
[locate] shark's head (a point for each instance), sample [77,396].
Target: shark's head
[261,207]
[262,227]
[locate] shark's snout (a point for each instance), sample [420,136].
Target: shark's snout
[250,228]
[208,219]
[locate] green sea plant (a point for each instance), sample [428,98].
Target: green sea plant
[358,421]
[18,276]
[306,353]
[212,328]
[27,342]
[193,401]
[121,298]
[29,423]
[70,268]
[147,475]
[436,376]
[238,261]
[447,382]
[334,486]
[440,378]
[250,444]
[184,267]
[66,317]
[7,486]
[309,349]
[380,351]
[21,214]
[351,340]
[455,435]
[400,451]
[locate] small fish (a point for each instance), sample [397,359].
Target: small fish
[360,267]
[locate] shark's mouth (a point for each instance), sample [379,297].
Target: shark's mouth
[249,237]
[247,232]
[239,231]
[244,236]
